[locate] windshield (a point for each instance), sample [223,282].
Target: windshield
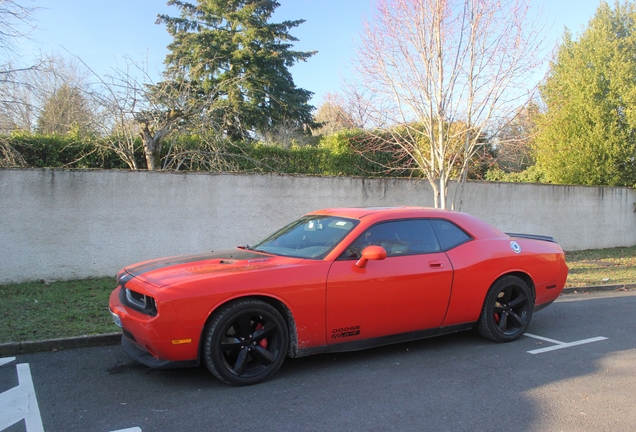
[309,237]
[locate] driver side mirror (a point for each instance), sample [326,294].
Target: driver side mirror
[373,253]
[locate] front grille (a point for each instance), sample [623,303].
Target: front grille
[138,301]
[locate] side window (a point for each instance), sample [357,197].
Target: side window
[449,234]
[405,237]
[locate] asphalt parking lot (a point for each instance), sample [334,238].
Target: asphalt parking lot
[574,371]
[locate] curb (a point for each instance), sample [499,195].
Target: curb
[17,348]
[598,288]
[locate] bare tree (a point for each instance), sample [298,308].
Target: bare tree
[118,97]
[351,110]
[17,101]
[286,133]
[9,157]
[15,23]
[513,144]
[52,98]
[442,72]
[332,117]
[134,107]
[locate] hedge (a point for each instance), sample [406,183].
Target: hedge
[56,151]
[335,154]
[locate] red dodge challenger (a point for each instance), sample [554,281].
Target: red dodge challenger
[335,280]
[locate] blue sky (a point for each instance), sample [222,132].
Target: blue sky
[102,32]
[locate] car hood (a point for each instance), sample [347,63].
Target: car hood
[168,271]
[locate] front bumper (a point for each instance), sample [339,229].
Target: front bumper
[145,358]
[155,340]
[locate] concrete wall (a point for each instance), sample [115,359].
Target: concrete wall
[60,225]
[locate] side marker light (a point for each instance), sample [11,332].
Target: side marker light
[181,341]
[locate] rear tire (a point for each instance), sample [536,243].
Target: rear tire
[245,343]
[507,310]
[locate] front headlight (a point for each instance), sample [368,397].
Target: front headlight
[138,301]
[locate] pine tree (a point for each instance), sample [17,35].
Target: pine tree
[240,61]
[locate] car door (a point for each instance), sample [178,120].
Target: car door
[407,291]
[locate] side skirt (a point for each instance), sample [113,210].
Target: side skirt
[384,340]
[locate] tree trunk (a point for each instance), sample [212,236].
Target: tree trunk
[152,147]
[443,192]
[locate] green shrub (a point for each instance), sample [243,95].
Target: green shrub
[62,151]
[340,153]
[531,175]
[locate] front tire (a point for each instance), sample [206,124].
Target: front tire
[507,310]
[245,343]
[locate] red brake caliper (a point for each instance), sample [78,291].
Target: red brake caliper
[262,342]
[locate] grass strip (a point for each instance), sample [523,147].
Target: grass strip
[37,311]
[601,267]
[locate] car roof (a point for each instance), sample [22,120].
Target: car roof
[397,212]
[474,226]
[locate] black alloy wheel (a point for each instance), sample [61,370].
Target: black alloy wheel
[246,342]
[507,310]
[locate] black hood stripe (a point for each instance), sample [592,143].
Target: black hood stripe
[235,254]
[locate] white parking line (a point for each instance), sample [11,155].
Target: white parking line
[559,344]
[20,403]
[543,338]
[5,360]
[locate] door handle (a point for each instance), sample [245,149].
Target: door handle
[435,264]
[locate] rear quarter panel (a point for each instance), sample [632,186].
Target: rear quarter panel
[479,263]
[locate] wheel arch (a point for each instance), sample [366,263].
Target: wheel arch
[277,304]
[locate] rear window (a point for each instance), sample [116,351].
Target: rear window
[449,234]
